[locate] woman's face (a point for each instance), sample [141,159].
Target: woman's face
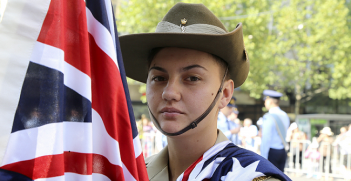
[342,130]
[181,85]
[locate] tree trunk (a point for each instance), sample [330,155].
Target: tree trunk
[297,106]
[298,99]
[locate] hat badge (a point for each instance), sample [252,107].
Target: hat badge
[183,22]
[232,101]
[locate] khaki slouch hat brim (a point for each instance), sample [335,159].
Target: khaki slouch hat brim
[202,31]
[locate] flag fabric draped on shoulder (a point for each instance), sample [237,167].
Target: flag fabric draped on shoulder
[226,161]
[72,115]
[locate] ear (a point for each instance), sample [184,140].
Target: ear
[267,103]
[227,93]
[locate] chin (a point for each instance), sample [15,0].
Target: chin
[171,127]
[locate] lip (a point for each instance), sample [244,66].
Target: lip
[171,110]
[170,113]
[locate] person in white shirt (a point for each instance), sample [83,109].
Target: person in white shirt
[274,127]
[228,127]
[248,133]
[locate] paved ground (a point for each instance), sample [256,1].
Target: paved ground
[304,178]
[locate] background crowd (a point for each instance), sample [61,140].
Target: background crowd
[317,152]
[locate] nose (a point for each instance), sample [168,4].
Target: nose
[171,91]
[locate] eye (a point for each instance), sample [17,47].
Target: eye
[158,78]
[193,78]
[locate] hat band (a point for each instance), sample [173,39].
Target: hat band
[167,27]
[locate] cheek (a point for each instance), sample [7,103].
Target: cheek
[198,99]
[153,95]
[149,93]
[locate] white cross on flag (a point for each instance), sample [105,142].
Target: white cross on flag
[63,90]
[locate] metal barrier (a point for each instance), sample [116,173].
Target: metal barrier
[299,162]
[331,162]
[151,142]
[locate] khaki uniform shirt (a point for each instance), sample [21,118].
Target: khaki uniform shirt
[157,165]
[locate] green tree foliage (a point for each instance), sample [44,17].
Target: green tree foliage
[256,17]
[309,42]
[142,16]
[340,87]
[296,46]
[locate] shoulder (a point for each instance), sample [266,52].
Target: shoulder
[268,118]
[221,117]
[149,159]
[283,113]
[159,159]
[233,124]
[157,165]
[249,163]
[253,127]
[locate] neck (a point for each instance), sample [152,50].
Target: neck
[185,149]
[224,113]
[273,106]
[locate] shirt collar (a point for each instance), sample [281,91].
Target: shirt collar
[221,116]
[274,109]
[157,165]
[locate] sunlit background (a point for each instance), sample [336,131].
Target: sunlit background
[298,47]
[301,48]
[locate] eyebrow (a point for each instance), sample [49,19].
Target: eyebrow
[193,66]
[158,68]
[183,69]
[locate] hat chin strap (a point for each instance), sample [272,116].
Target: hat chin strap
[193,124]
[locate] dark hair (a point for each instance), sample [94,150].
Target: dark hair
[275,101]
[152,55]
[222,64]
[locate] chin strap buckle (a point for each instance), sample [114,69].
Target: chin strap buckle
[193,125]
